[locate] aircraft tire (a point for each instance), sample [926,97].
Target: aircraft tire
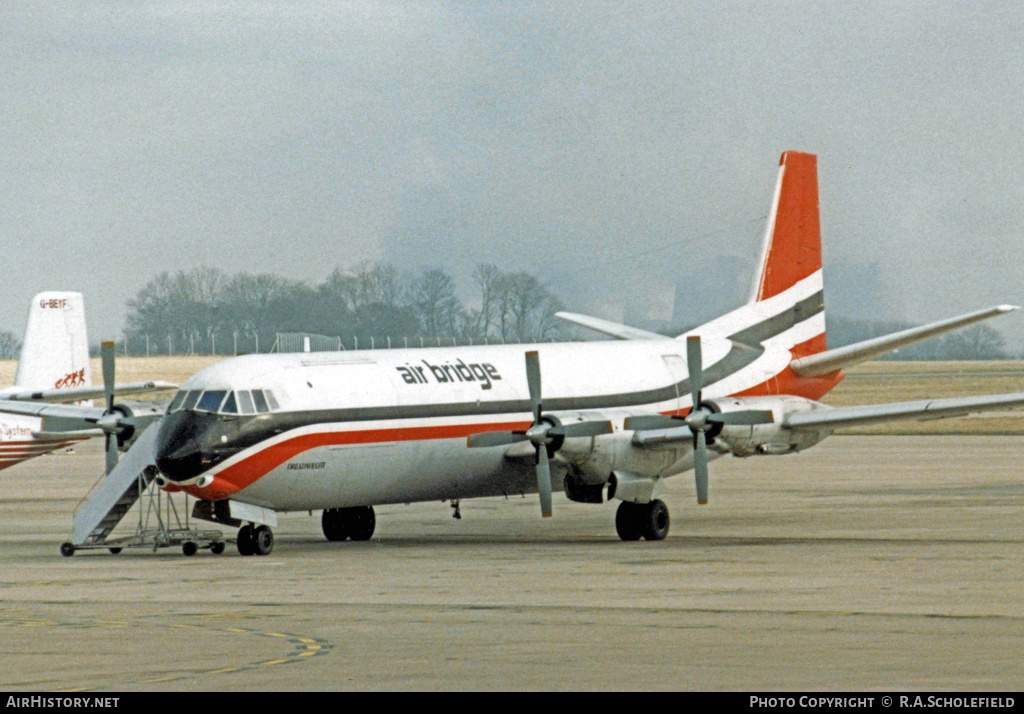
[263,540]
[655,522]
[333,523]
[628,521]
[246,541]
[361,523]
[357,523]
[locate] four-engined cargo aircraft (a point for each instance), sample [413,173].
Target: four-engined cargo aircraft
[344,431]
[49,406]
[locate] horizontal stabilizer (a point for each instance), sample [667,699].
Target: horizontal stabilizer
[607,327]
[923,410]
[77,394]
[840,357]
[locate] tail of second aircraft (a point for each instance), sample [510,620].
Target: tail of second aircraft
[55,351]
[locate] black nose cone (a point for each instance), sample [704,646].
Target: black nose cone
[179,446]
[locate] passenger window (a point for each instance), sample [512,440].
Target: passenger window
[245,403]
[176,402]
[261,403]
[230,406]
[211,400]
[191,399]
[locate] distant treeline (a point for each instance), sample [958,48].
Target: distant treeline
[206,310]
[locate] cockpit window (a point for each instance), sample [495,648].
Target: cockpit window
[256,401]
[230,406]
[211,400]
[191,398]
[245,403]
[260,401]
[176,402]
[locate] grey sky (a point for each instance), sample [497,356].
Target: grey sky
[610,147]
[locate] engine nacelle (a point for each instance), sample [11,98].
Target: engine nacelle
[592,460]
[127,436]
[773,438]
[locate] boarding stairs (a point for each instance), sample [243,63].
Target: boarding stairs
[113,496]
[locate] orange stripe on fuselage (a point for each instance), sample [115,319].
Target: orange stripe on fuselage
[250,469]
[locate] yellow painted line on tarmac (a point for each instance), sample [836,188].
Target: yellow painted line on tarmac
[303,647]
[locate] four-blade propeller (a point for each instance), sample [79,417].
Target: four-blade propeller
[701,419]
[545,432]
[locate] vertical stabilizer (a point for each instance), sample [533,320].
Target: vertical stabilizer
[55,351]
[792,242]
[790,275]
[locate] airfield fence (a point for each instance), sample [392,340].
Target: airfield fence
[235,344]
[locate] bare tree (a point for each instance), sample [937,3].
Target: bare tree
[9,345]
[527,308]
[976,342]
[432,295]
[488,280]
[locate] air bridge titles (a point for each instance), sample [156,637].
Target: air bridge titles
[450,372]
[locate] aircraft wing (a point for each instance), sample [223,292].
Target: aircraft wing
[656,430]
[70,419]
[923,410]
[49,412]
[615,329]
[77,394]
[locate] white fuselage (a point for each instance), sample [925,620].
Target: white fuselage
[390,426]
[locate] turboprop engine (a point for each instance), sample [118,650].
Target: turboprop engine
[762,438]
[740,425]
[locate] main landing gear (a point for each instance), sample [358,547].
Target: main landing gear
[642,520]
[255,540]
[356,523]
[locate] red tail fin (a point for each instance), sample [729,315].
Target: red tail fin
[792,247]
